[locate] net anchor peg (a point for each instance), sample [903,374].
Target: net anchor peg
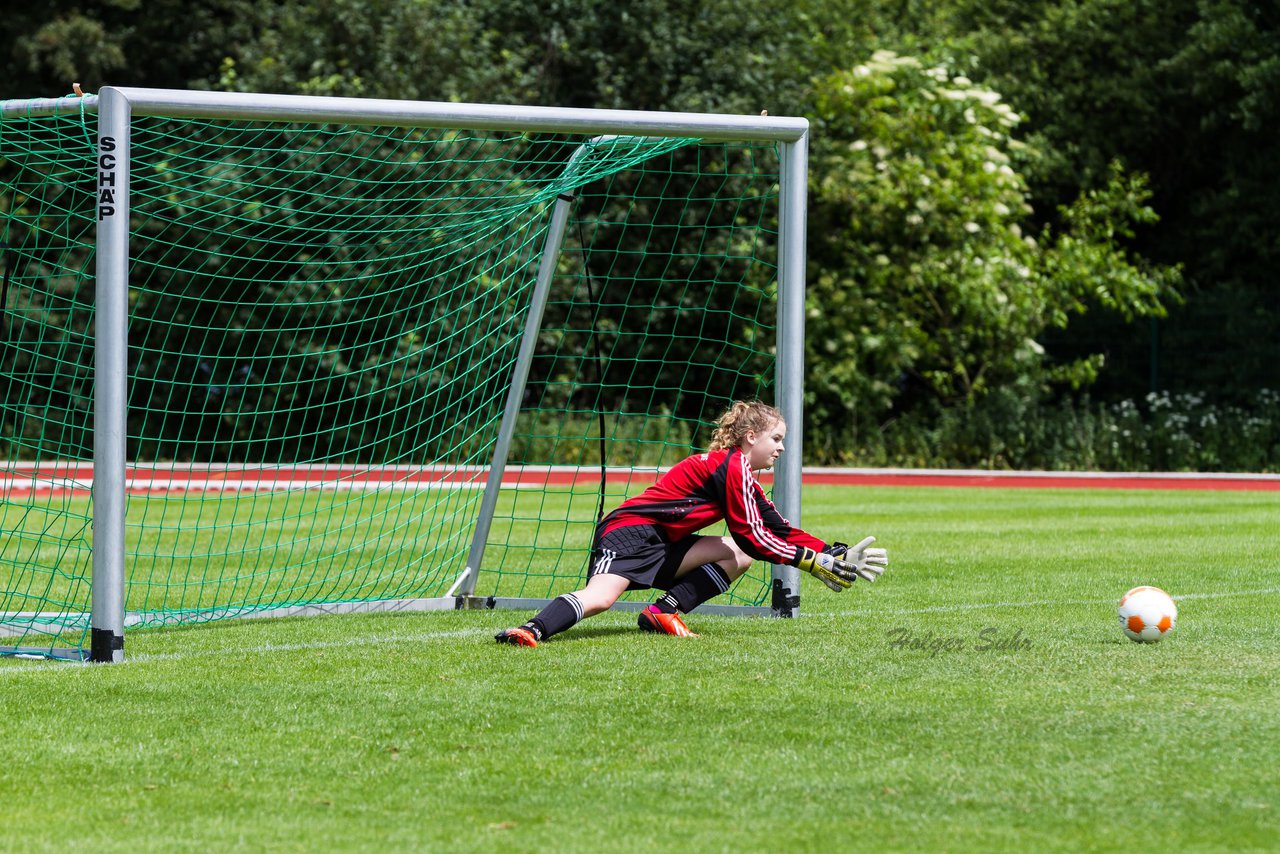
[462,576]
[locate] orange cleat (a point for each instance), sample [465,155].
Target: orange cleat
[519,636]
[653,620]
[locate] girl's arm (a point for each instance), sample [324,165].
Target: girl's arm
[755,522]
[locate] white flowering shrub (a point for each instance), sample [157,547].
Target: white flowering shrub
[927,289]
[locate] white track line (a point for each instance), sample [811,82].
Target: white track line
[263,649]
[348,643]
[64,476]
[1032,603]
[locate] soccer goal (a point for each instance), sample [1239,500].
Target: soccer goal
[267,355]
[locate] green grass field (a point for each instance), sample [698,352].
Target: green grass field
[979,697]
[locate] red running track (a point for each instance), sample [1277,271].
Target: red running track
[77,477]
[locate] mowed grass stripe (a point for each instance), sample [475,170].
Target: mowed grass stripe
[416,732]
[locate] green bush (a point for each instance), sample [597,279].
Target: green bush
[1010,429]
[1016,429]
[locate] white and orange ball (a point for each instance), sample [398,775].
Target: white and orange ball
[1147,614]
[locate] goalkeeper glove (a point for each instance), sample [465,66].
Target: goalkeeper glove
[865,562]
[827,568]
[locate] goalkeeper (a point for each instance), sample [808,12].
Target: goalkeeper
[650,540]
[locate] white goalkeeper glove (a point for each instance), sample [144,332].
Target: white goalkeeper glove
[867,563]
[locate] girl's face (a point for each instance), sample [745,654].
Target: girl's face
[763,449]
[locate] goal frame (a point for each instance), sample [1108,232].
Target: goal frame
[116,107]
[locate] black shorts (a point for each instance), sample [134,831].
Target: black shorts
[642,554]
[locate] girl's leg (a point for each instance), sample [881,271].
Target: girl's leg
[724,552]
[706,571]
[600,593]
[566,610]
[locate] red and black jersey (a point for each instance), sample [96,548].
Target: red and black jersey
[706,488]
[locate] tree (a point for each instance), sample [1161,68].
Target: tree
[48,46]
[1184,92]
[925,291]
[721,55]
[435,50]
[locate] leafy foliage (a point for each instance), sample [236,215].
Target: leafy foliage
[1184,93]
[49,45]
[1143,146]
[925,290]
[1016,428]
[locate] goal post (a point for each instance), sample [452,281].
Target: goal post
[353,354]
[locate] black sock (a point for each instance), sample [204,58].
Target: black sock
[562,613]
[666,604]
[705,582]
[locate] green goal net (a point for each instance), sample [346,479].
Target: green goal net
[323,324]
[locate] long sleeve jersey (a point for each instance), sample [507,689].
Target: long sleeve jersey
[706,488]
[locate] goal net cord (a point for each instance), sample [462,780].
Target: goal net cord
[329,294]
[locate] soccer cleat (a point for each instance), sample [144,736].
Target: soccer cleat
[653,620]
[519,636]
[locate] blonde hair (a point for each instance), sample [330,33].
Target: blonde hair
[745,416]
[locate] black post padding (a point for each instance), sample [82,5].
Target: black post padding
[475,603]
[7,251]
[104,644]
[784,605]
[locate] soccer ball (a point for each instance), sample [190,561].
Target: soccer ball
[1147,614]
